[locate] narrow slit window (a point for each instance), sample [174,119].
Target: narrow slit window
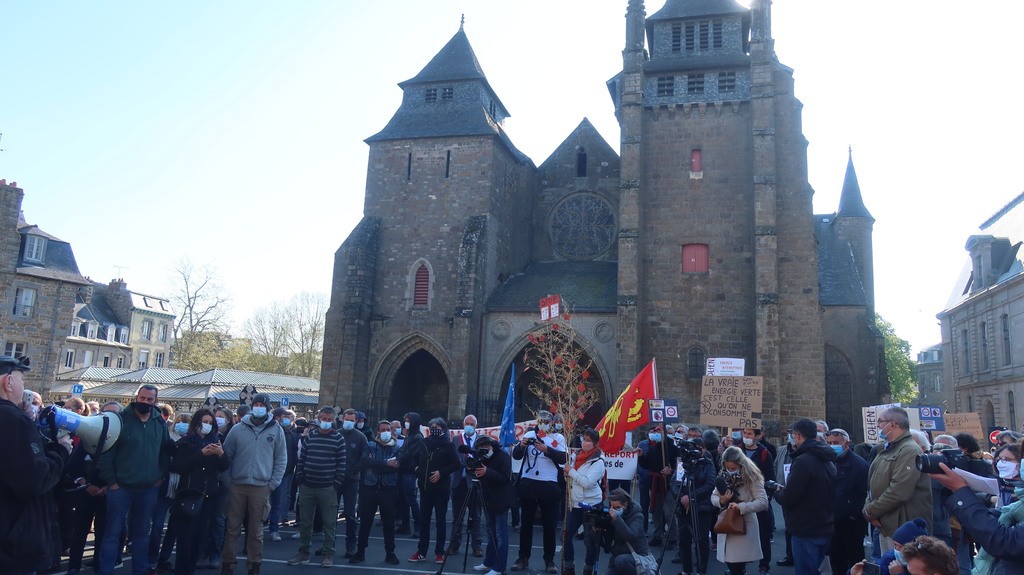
[447,163]
[677,37]
[408,168]
[581,163]
[421,288]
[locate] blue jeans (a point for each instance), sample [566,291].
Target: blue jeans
[156,533]
[350,494]
[407,485]
[140,502]
[280,502]
[496,557]
[808,553]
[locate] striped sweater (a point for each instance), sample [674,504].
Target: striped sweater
[321,460]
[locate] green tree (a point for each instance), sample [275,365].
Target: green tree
[898,363]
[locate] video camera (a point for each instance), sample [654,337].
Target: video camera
[596,516]
[474,457]
[953,458]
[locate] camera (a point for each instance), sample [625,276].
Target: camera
[531,440]
[929,463]
[771,486]
[688,451]
[596,517]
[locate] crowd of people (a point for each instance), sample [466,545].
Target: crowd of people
[184,487]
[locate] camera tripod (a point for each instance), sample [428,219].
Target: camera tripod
[475,494]
[689,469]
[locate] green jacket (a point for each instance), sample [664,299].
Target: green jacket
[142,454]
[897,491]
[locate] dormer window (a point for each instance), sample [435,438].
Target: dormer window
[703,35]
[430,95]
[35,248]
[447,93]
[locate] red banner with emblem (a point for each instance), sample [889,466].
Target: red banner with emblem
[629,411]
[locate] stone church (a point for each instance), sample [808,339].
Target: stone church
[695,239]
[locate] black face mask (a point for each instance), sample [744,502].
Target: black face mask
[141,408]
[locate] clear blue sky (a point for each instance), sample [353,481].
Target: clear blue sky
[230,132]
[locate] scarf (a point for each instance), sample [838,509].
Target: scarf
[582,457]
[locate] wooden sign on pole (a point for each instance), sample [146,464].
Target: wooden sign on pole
[731,401]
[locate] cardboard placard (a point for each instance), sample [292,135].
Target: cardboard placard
[621,465]
[731,401]
[870,416]
[965,423]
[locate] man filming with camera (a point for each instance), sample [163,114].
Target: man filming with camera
[695,513]
[493,469]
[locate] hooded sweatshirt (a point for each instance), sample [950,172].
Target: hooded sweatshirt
[258,453]
[810,489]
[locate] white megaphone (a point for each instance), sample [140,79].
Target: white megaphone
[97,433]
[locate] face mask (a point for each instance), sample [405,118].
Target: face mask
[881,434]
[487,453]
[348,425]
[285,422]
[326,425]
[385,436]
[181,428]
[207,428]
[469,430]
[141,408]
[821,435]
[407,426]
[360,425]
[654,437]
[259,412]
[1007,469]
[435,432]
[737,437]
[680,437]
[899,557]
[732,473]
[790,439]
[748,442]
[837,448]
[220,421]
[543,427]
[558,427]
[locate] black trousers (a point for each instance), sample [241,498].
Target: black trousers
[534,494]
[370,500]
[847,543]
[688,538]
[192,534]
[764,528]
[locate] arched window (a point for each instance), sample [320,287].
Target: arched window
[696,361]
[581,162]
[421,288]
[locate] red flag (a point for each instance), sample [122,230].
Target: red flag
[629,411]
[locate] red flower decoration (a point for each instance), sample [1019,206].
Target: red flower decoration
[572,364]
[531,338]
[566,316]
[553,406]
[581,387]
[547,376]
[586,374]
[558,360]
[554,327]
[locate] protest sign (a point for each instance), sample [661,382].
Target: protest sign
[965,423]
[731,401]
[724,366]
[870,415]
[621,465]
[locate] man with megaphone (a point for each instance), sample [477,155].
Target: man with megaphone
[31,468]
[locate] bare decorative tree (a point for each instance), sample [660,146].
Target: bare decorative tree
[288,337]
[201,326]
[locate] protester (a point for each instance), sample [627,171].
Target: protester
[280,498]
[643,477]
[495,476]
[259,456]
[696,514]
[355,445]
[810,486]
[626,535]
[133,469]
[94,407]
[847,546]
[898,492]
[542,451]
[1007,466]
[660,462]
[362,424]
[929,556]
[209,552]
[320,470]
[378,490]
[410,442]
[198,459]
[161,542]
[765,462]
[740,486]
[584,476]
[31,468]
[461,481]
[434,463]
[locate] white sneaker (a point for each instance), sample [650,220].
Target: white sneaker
[295,535]
[493,572]
[275,536]
[481,567]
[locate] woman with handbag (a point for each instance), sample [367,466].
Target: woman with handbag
[198,458]
[625,540]
[739,493]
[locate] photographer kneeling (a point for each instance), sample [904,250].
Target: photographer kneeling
[584,477]
[627,530]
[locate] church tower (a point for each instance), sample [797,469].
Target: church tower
[447,195]
[715,208]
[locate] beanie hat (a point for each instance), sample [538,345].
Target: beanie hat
[261,398]
[910,531]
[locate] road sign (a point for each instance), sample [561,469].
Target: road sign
[76,390]
[671,411]
[994,434]
[284,402]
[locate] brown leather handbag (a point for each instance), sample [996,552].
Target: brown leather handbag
[730,522]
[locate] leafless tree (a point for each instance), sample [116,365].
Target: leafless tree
[199,300]
[289,335]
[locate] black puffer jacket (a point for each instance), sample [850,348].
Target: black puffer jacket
[499,495]
[810,488]
[29,472]
[198,471]
[627,527]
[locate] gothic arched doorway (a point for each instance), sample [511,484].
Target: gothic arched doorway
[421,385]
[838,395]
[527,403]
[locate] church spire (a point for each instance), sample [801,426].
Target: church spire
[851,204]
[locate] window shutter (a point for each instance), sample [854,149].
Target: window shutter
[695,258]
[421,291]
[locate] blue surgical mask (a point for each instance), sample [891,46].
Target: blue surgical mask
[285,422]
[737,437]
[220,422]
[385,436]
[558,427]
[837,448]
[790,439]
[469,430]
[207,428]
[899,557]
[181,428]
[325,425]
[259,412]
[881,435]
[654,436]
[348,425]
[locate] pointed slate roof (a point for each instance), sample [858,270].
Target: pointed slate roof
[675,9]
[851,204]
[456,61]
[839,282]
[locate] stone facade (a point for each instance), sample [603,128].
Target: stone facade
[437,287]
[931,385]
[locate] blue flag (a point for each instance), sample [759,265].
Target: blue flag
[508,417]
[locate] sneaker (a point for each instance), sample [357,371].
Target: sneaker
[515,528]
[439,558]
[295,535]
[417,556]
[391,559]
[785,562]
[358,557]
[493,572]
[300,557]
[328,561]
[275,536]
[481,567]
[521,564]
[550,568]
[478,551]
